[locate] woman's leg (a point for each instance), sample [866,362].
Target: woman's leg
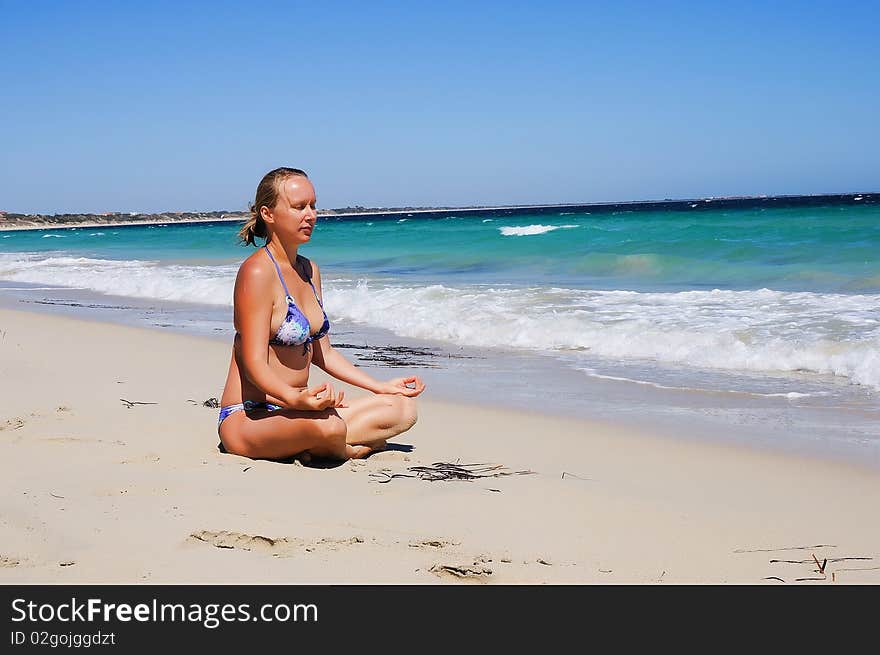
[285,433]
[372,420]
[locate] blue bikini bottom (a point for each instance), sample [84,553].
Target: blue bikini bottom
[247,406]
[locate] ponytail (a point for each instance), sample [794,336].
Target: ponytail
[254,227]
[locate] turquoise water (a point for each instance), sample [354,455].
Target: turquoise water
[827,249]
[771,300]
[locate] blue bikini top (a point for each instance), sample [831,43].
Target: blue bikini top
[295,328]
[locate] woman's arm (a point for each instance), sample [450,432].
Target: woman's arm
[328,359]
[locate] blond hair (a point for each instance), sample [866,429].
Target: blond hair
[266,196]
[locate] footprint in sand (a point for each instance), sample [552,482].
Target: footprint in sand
[18,422]
[9,562]
[334,544]
[149,458]
[268,545]
[12,424]
[81,440]
[474,570]
[378,461]
[388,456]
[239,541]
[433,543]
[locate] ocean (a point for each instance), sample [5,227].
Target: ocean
[756,320]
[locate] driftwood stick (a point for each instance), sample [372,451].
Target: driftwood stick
[807,561]
[131,403]
[773,550]
[388,476]
[447,471]
[572,475]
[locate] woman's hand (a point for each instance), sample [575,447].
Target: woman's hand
[316,399]
[401,386]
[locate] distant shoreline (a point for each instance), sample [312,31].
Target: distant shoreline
[70,226]
[22,226]
[25,223]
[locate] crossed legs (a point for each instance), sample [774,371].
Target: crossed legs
[344,433]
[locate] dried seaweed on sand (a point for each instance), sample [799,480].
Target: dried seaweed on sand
[449,471]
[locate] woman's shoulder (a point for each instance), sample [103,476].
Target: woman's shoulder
[255,268]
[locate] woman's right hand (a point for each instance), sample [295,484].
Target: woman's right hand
[319,398]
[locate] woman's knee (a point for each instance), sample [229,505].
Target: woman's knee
[332,430]
[406,410]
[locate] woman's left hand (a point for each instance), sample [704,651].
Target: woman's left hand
[401,386]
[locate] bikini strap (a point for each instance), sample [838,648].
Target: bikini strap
[315,291]
[278,269]
[307,268]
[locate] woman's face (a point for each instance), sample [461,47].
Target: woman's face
[294,215]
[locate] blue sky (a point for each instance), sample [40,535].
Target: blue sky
[111,106]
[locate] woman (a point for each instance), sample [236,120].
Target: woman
[268,411]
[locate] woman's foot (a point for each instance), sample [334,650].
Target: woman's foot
[357,452]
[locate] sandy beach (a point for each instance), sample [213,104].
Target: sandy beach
[98,490]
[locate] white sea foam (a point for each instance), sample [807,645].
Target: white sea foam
[760,330]
[55,236]
[791,395]
[138,279]
[530,230]
[615,378]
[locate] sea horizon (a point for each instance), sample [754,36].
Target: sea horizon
[728,202]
